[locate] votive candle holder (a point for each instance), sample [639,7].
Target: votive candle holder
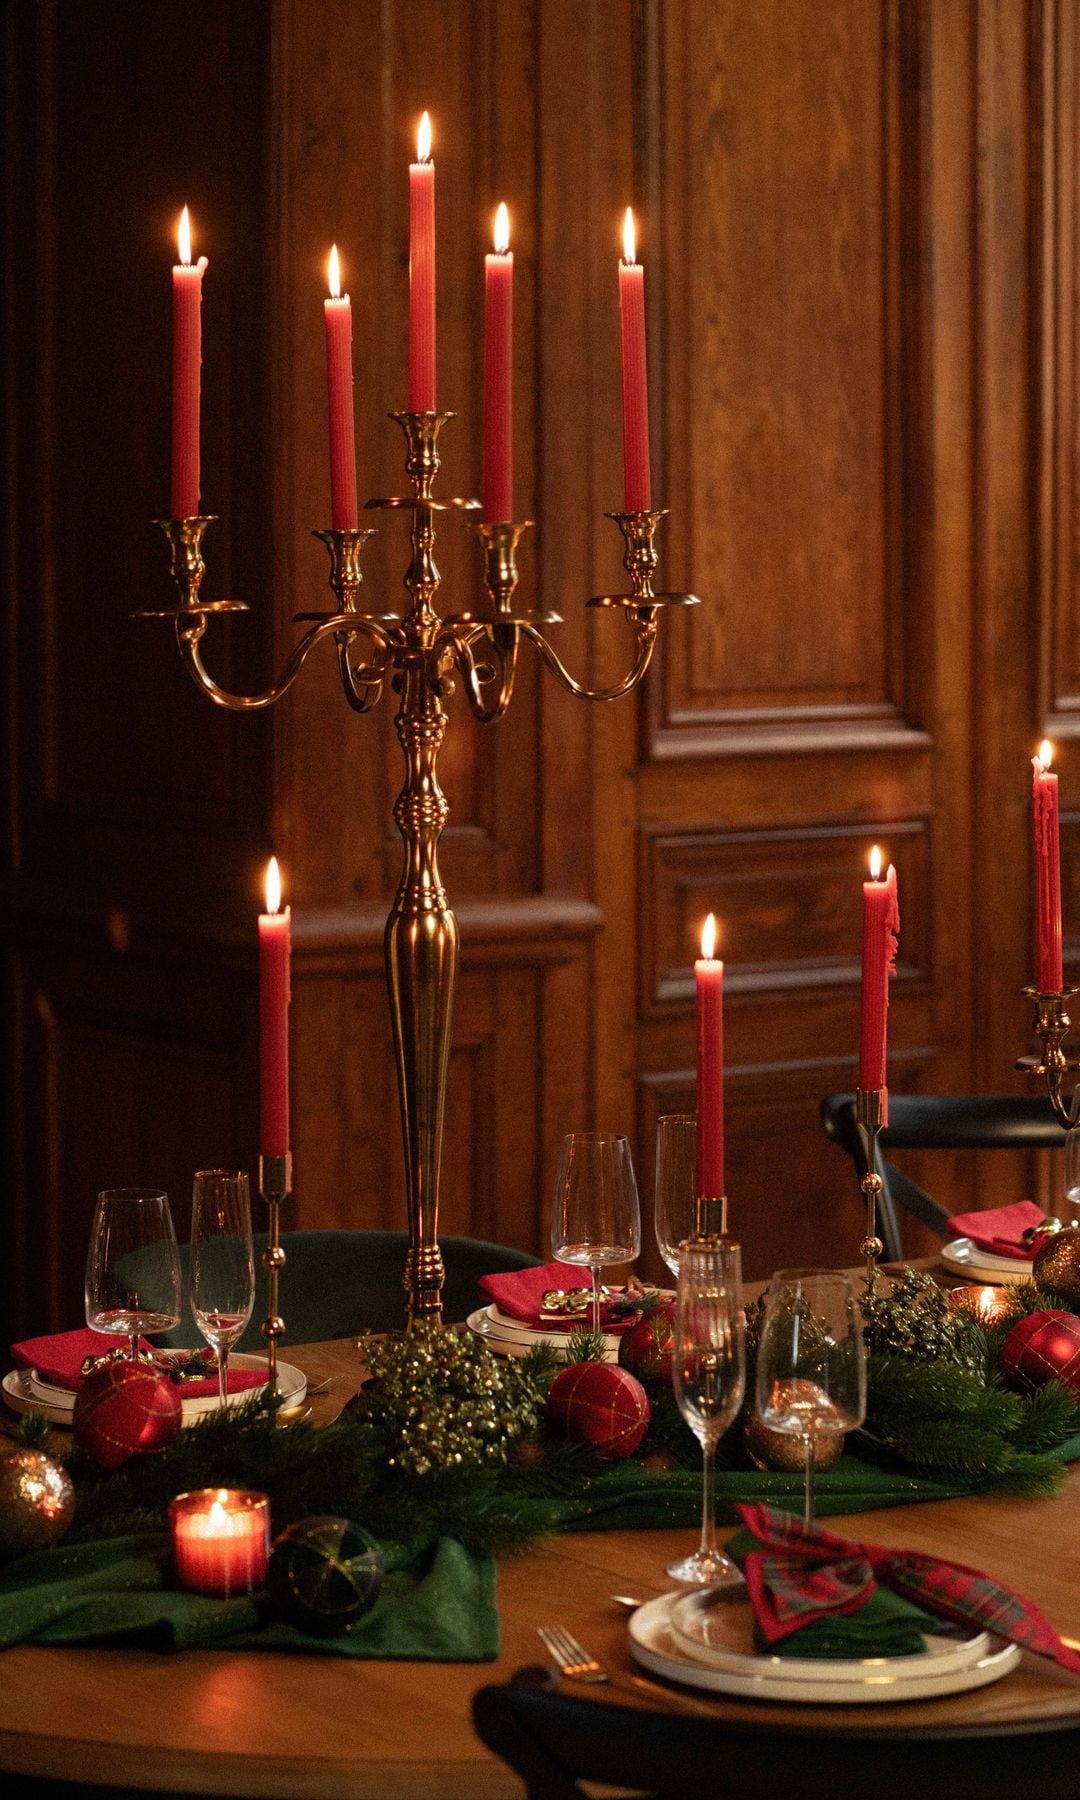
[221,1540]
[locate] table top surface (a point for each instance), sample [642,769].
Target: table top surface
[277,1725]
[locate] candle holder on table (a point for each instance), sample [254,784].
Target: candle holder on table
[275,1185]
[1051,1023]
[870,1118]
[418,650]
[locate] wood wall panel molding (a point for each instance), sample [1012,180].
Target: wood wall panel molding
[784,400]
[789,902]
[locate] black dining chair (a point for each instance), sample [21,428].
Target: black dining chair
[937,1122]
[338,1283]
[554,1741]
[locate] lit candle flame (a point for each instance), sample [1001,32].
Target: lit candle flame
[334,274]
[502,229]
[875,864]
[183,237]
[629,237]
[708,938]
[423,139]
[273,886]
[218,1517]
[1045,756]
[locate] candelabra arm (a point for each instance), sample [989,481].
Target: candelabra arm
[645,633]
[1051,1024]
[189,633]
[479,676]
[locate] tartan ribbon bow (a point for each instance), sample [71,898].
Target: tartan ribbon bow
[802,1572]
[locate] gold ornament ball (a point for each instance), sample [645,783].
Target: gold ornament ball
[1056,1268]
[782,1453]
[37,1502]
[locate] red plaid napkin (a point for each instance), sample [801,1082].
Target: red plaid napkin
[802,1572]
[1001,1229]
[520,1292]
[59,1359]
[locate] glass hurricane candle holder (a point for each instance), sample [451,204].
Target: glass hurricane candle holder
[221,1540]
[987,1304]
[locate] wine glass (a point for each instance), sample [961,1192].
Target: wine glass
[678,1210]
[596,1217]
[811,1370]
[222,1283]
[709,1373]
[132,1265]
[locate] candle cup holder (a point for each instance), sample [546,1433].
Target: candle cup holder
[710,1217]
[275,1186]
[871,1114]
[419,649]
[1051,1025]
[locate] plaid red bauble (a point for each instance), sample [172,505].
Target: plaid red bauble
[599,1404]
[1043,1347]
[124,1408]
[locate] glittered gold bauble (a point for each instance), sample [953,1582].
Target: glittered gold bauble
[1056,1268]
[781,1452]
[37,1502]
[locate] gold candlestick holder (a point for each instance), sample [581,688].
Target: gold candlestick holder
[1051,1023]
[871,1106]
[710,1216]
[419,650]
[275,1185]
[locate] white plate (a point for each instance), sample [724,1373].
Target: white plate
[718,1633]
[27,1393]
[654,1645]
[965,1258]
[523,1337]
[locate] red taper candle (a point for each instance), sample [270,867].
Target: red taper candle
[186,375]
[274,994]
[637,480]
[709,982]
[344,515]
[881,931]
[1049,978]
[498,374]
[422,274]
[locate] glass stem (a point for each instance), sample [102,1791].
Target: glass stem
[808,1479]
[223,1372]
[707,1547]
[594,1270]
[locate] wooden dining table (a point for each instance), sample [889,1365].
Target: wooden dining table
[308,1727]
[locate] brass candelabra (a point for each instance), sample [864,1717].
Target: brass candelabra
[419,649]
[1051,1023]
[870,1119]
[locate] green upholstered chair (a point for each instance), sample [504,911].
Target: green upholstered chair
[338,1283]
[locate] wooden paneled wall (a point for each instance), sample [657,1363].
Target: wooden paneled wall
[859,220]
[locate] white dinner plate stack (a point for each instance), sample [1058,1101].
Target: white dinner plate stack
[509,1337]
[706,1640]
[28,1392]
[965,1258]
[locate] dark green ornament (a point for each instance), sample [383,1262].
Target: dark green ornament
[324,1574]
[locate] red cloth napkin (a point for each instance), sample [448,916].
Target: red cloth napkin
[802,1572]
[59,1359]
[1001,1229]
[520,1292]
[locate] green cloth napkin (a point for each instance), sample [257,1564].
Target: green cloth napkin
[437,1605]
[884,1625]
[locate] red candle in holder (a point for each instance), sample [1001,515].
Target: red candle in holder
[339,377]
[637,478]
[422,274]
[221,1540]
[709,982]
[186,375]
[498,372]
[274,957]
[881,930]
[1049,978]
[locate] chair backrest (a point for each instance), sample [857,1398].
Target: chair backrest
[338,1283]
[554,1740]
[937,1122]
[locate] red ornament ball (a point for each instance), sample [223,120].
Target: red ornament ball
[124,1408]
[599,1404]
[646,1349]
[1042,1347]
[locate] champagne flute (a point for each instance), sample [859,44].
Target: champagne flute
[811,1370]
[222,1283]
[596,1217]
[132,1265]
[709,1372]
[678,1210]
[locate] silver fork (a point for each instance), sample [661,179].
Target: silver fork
[570,1658]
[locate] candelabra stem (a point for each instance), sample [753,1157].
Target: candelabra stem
[275,1185]
[870,1118]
